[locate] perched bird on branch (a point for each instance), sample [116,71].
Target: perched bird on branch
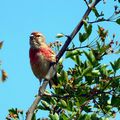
[41,57]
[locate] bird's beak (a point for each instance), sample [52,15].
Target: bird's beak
[31,37]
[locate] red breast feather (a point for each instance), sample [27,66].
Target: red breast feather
[40,60]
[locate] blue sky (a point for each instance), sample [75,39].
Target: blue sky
[18,20]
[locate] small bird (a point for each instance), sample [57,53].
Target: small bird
[41,56]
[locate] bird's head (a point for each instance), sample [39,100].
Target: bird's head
[36,39]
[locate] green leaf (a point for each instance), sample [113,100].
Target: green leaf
[95,73]
[77,80]
[70,54]
[77,60]
[87,71]
[95,12]
[64,76]
[54,116]
[59,91]
[115,101]
[118,21]
[113,67]
[41,107]
[60,35]
[62,103]
[91,58]
[94,116]
[89,29]
[98,45]
[34,117]
[116,65]
[53,101]
[83,37]
[88,56]
[69,105]
[45,104]
[63,116]
[87,109]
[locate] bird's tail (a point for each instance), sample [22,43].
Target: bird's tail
[52,76]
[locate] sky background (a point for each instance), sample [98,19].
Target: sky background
[17,20]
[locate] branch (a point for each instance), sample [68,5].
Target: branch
[87,3]
[75,31]
[99,106]
[31,110]
[100,20]
[71,49]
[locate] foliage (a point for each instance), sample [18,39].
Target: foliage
[90,86]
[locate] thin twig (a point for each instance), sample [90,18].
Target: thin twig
[100,106]
[87,3]
[75,31]
[71,49]
[112,18]
[99,20]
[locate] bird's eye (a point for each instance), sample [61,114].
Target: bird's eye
[38,35]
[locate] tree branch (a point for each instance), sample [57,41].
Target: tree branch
[87,3]
[71,49]
[31,110]
[75,31]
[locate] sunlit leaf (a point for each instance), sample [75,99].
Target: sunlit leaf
[45,104]
[87,71]
[54,116]
[60,35]
[70,54]
[62,103]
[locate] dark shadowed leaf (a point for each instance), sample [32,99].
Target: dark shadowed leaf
[95,12]
[118,21]
[1,44]
[34,117]
[115,101]
[83,37]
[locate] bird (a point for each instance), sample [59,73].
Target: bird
[41,57]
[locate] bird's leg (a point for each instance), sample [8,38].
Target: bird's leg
[43,86]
